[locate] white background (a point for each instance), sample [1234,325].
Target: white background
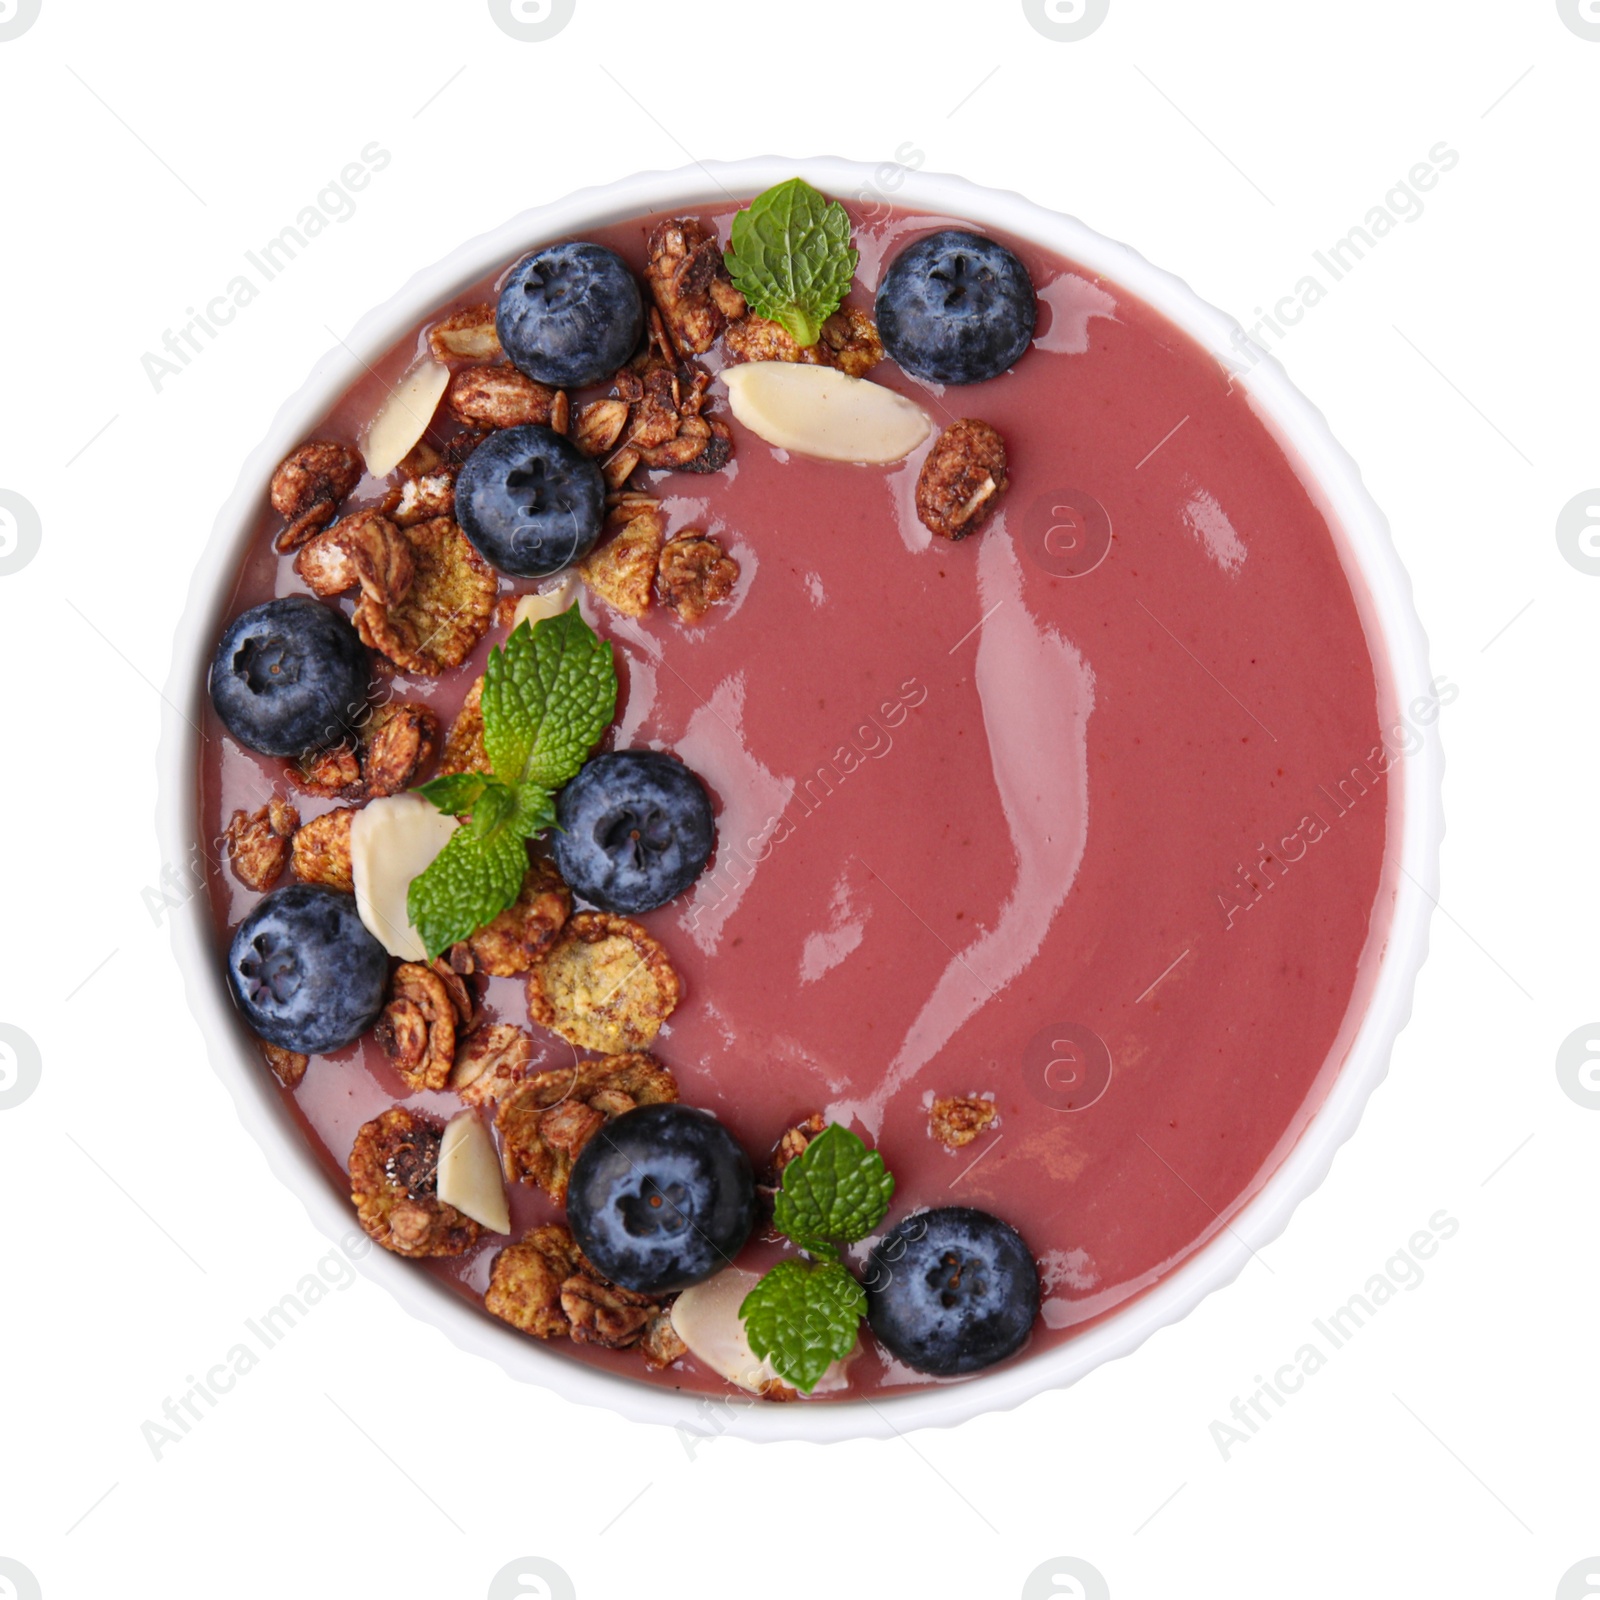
[1447,1449]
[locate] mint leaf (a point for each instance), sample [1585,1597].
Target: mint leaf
[836,1189]
[790,257]
[548,695]
[535,810]
[455,792]
[802,1318]
[470,882]
[495,806]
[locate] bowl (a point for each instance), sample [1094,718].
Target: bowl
[1394,634]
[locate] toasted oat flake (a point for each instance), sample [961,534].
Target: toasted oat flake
[622,571]
[259,843]
[605,985]
[322,849]
[394,1187]
[444,613]
[468,334]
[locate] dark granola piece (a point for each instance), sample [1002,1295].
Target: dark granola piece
[791,1144]
[690,283]
[666,397]
[545,1121]
[417,1030]
[397,745]
[622,571]
[445,612]
[498,397]
[660,1345]
[599,425]
[491,1061]
[422,497]
[463,744]
[963,479]
[309,486]
[525,1281]
[288,1066]
[602,1313]
[605,985]
[521,934]
[329,774]
[956,1120]
[394,1184]
[693,574]
[322,849]
[467,335]
[365,549]
[258,844]
[849,342]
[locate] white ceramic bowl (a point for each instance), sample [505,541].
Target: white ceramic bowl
[1411,868]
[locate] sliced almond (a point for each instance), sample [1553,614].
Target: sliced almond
[545,603]
[403,418]
[469,1173]
[820,412]
[391,841]
[706,1317]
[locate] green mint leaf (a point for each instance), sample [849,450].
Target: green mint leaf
[470,882]
[836,1189]
[455,792]
[536,810]
[790,257]
[496,805]
[548,695]
[803,1318]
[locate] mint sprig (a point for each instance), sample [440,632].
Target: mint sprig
[548,695]
[789,255]
[803,1315]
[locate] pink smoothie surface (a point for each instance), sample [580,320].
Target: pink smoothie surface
[1090,813]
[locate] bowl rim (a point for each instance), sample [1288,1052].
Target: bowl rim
[1389,612]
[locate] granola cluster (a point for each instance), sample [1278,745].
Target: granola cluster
[605,985]
[394,1185]
[393,753]
[259,843]
[962,480]
[956,1120]
[417,1030]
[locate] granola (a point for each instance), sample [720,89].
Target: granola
[463,744]
[659,1344]
[525,1281]
[605,985]
[690,283]
[445,612]
[693,574]
[468,334]
[322,849]
[259,843]
[309,486]
[365,549]
[288,1066]
[603,1313]
[666,397]
[521,934]
[963,479]
[956,1120]
[600,425]
[394,1183]
[622,571]
[417,1030]
[397,745]
[333,774]
[849,342]
[498,397]
[490,1062]
[545,1121]
[423,497]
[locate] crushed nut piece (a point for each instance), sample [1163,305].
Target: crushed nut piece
[525,1281]
[694,574]
[329,774]
[447,609]
[660,1345]
[521,934]
[545,1121]
[394,1179]
[397,745]
[685,263]
[491,1061]
[289,1066]
[417,1030]
[322,849]
[963,479]
[258,844]
[468,334]
[604,1314]
[309,486]
[463,744]
[456,987]
[795,1141]
[365,548]
[605,985]
[599,426]
[622,571]
[956,1120]
[498,397]
[849,342]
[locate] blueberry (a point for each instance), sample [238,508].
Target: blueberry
[569,315]
[952,1290]
[530,501]
[636,830]
[956,308]
[660,1198]
[305,971]
[289,676]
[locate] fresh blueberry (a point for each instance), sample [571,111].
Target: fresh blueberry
[952,1290]
[569,315]
[289,676]
[956,308]
[660,1198]
[636,830]
[530,501]
[305,971]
